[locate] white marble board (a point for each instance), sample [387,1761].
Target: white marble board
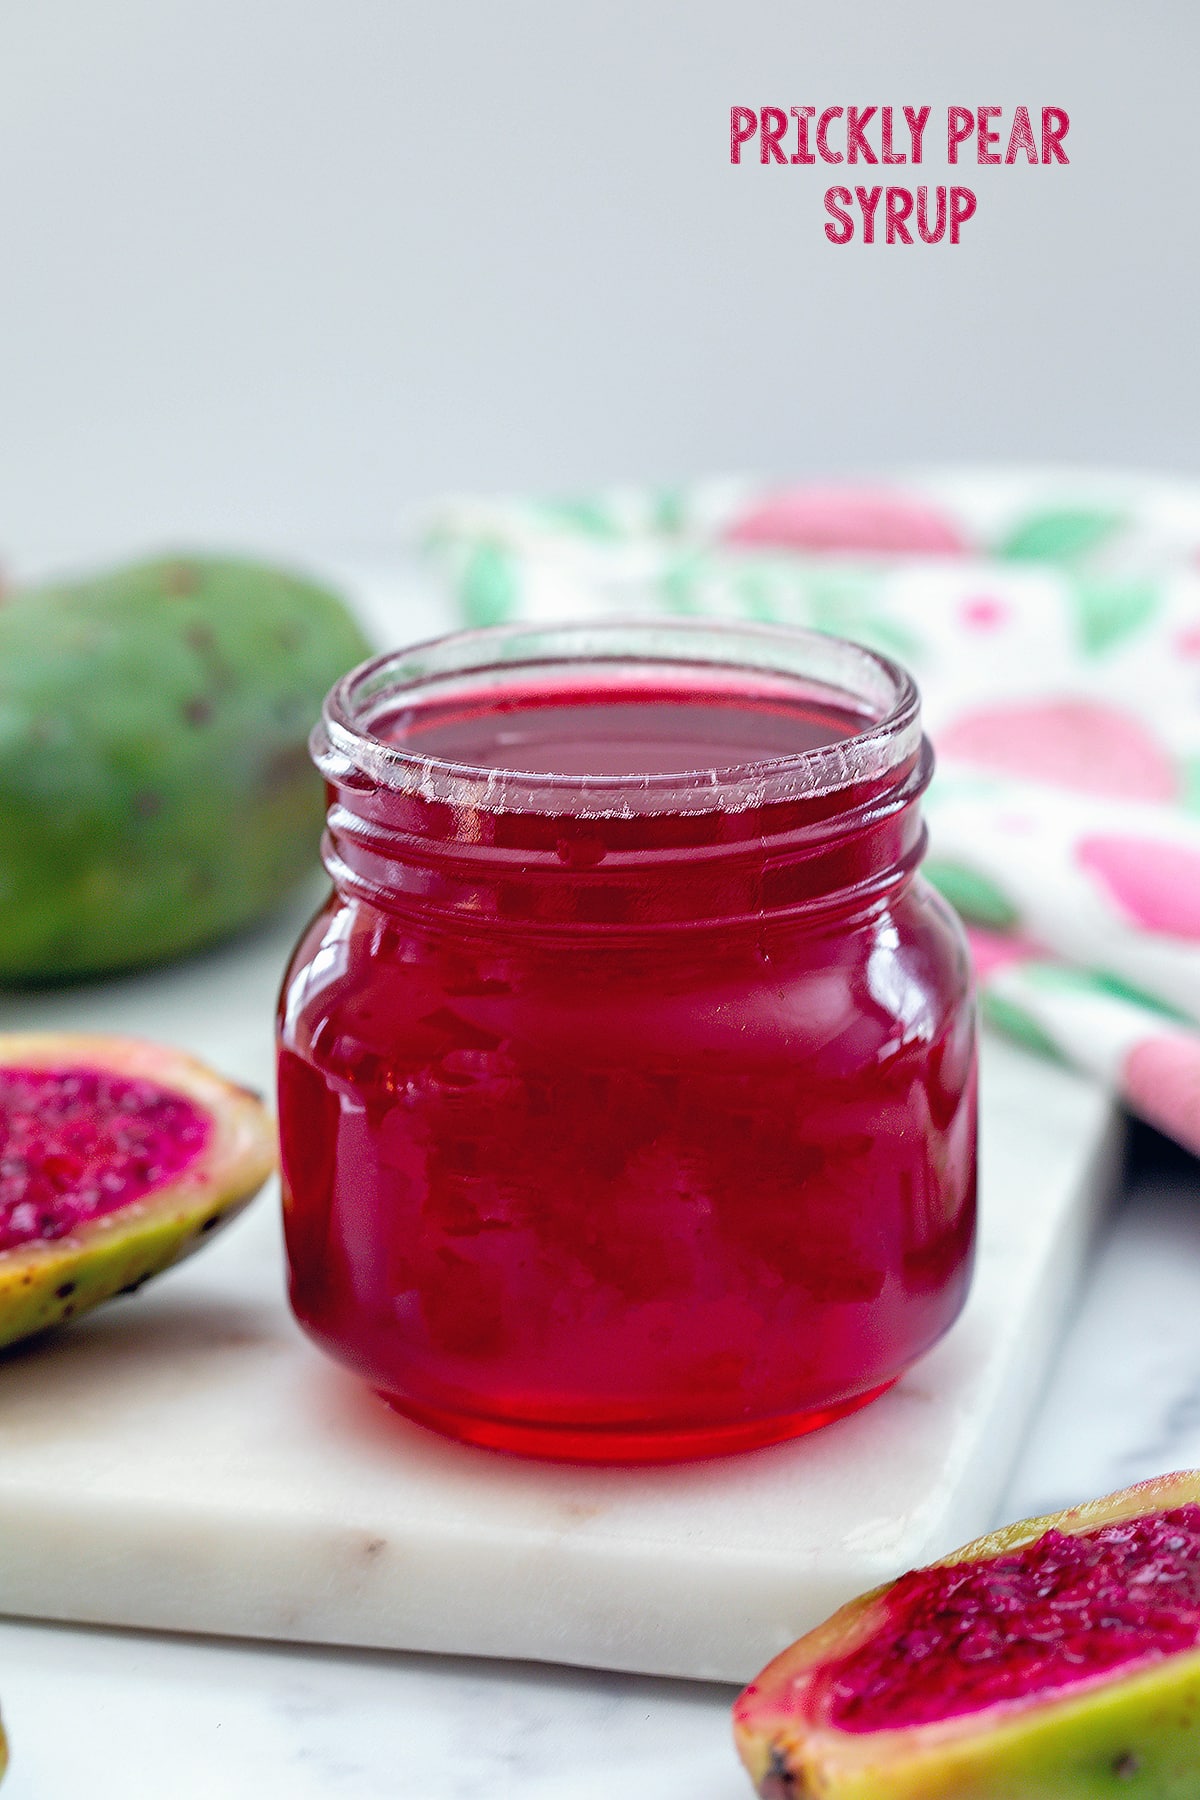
[185,1460]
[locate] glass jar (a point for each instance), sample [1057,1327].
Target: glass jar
[626,1113]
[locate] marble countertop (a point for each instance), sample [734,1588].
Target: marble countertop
[118,1715]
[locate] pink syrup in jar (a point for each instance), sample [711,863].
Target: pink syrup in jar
[627,1079]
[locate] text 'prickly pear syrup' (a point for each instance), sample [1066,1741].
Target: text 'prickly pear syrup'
[626,1080]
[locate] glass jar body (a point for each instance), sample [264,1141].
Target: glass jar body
[629,1195]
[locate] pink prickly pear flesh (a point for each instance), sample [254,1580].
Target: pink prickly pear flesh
[117,1158]
[1058,1659]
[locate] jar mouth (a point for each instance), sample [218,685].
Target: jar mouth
[349,750]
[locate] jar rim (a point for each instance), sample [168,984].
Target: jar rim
[345,748]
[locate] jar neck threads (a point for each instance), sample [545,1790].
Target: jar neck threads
[832,827]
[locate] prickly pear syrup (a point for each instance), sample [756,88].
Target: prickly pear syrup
[1024,1625]
[78,1143]
[626,1081]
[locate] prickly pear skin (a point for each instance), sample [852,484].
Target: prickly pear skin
[1136,1734]
[155,788]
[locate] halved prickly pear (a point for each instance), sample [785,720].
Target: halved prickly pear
[117,1158]
[1058,1659]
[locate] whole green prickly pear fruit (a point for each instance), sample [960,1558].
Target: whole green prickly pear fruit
[155,787]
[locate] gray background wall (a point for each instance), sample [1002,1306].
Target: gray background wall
[273,270]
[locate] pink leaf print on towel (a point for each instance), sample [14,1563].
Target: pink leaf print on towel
[1156,885]
[832,518]
[994,950]
[1161,1081]
[1078,744]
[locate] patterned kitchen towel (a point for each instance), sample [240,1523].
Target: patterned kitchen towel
[1053,623]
